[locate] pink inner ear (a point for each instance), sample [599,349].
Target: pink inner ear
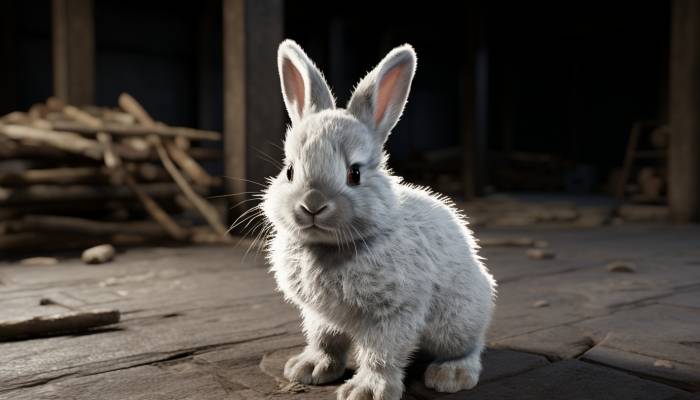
[385,92]
[293,85]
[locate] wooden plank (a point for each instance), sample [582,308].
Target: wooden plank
[73,51]
[63,323]
[684,150]
[253,111]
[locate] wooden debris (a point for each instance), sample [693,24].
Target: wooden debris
[39,261]
[207,210]
[98,159]
[195,172]
[158,214]
[69,322]
[66,175]
[134,108]
[67,141]
[137,130]
[98,254]
[540,254]
[72,193]
[621,266]
[58,224]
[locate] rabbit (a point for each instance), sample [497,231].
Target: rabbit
[372,263]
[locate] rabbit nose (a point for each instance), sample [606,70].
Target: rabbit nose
[313,202]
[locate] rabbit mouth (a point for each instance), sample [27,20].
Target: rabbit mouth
[317,228]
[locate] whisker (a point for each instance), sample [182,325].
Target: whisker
[242,202]
[218,196]
[275,145]
[244,180]
[241,218]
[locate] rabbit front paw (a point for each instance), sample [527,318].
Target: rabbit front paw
[454,375]
[313,368]
[371,386]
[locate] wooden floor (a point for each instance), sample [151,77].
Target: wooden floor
[204,323]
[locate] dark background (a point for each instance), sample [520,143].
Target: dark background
[560,82]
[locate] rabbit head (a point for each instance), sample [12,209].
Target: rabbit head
[335,186]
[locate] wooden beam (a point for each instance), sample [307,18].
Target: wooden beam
[253,110]
[684,111]
[73,51]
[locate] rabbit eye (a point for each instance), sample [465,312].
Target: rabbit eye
[290,172]
[354,175]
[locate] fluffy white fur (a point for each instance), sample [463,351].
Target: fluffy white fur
[382,265]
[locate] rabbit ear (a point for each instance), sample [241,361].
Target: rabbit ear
[303,87]
[380,97]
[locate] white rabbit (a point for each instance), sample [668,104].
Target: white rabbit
[370,261]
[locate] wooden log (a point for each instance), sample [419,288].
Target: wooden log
[118,117]
[15,117]
[57,176]
[41,142]
[134,108]
[66,141]
[82,117]
[196,173]
[205,209]
[61,193]
[156,212]
[112,209]
[110,157]
[138,130]
[60,324]
[82,226]
[80,175]
[42,242]
[184,161]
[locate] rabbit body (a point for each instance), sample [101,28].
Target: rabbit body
[376,263]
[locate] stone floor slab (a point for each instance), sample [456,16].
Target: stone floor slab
[570,380]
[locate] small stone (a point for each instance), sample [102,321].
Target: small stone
[98,254]
[621,266]
[46,302]
[663,364]
[540,254]
[39,261]
[540,304]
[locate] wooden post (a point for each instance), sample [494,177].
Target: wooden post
[684,111]
[73,51]
[253,110]
[473,81]
[8,48]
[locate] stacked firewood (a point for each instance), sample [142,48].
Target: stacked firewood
[74,176]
